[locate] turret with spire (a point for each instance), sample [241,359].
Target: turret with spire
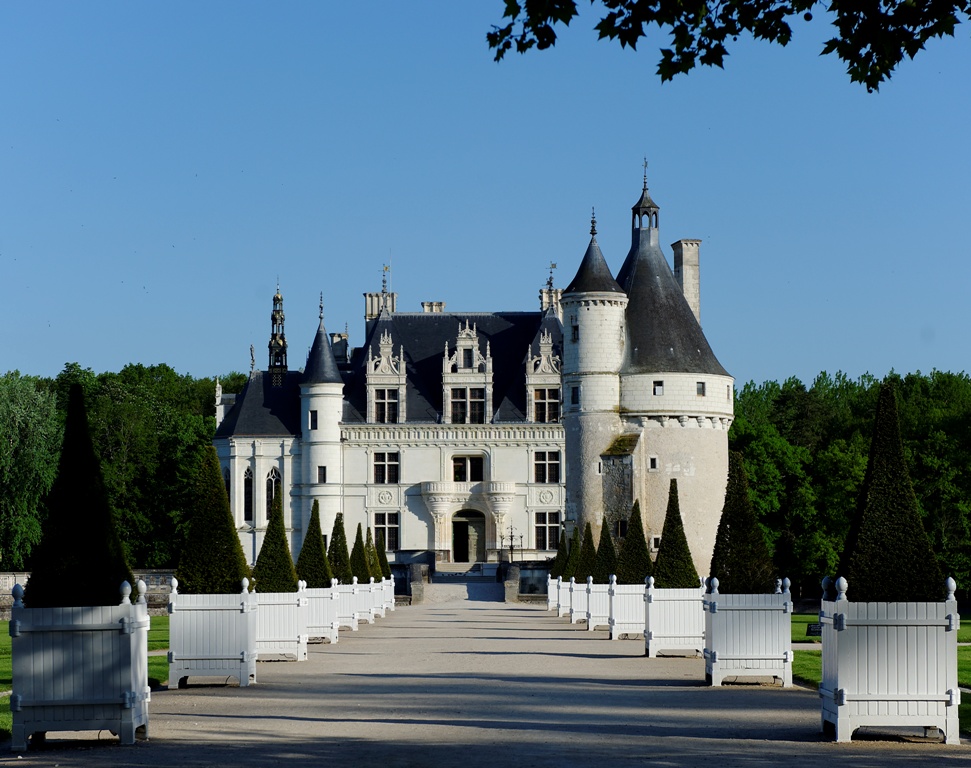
[278,342]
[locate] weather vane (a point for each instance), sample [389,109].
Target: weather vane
[549,282]
[252,358]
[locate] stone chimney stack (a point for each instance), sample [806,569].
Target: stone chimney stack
[687,268]
[434,307]
[375,302]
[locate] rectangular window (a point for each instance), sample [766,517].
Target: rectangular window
[467,469]
[386,406]
[321,474]
[468,406]
[476,406]
[546,405]
[313,420]
[701,389]
[546,465]
[574,395]
[620,528]
[658,388]
[386,530]
[467,358]
[652,463]
[655,542]
[385,468]
[460,412]
[547,530]
[575,333]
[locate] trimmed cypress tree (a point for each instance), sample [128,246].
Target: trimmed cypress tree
[359,564]
[887,556]
[274,571]
[588,556]
[606,565]
[383,557]
[312,565]
[373,565]
[741,560]
[634,559]
[570,568]
[212,560]
[674,567]
[79,560]
[337,554]
[562,553]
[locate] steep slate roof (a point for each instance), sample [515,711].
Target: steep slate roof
[261,409]
[594,275]
[321,365]
[662,331]
[424,335]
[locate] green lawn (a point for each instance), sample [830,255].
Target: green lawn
[801,620]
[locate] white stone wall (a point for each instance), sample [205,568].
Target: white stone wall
[680,395]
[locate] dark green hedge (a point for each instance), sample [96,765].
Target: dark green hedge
[274,571]
[634,559]
[312,564]
[674,567]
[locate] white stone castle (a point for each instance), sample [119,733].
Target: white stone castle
[461,436]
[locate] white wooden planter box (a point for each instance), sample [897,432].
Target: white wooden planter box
[598,604]
[377,598]
[552,592]
[80,669]
[212,636]
[674,619]
[562,598]
[348,605]
[889,664]
[388,585]
[748,635]
[322,605]
[578,602]
[281,623]
[626,609]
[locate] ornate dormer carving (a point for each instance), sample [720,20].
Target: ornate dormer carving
[543,373]
[467,379]
[545,361]
[386,378]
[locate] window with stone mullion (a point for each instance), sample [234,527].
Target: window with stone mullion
[547,530]
[386,406]
[546,405]
[386,530]
[547,466]
[385,468]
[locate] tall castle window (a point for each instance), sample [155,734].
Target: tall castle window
[387,530]
[467,469]
[386,467]
[272,488]
[547,530]
[248,496]
[386,406]
[546,465]
[546,405]
[468,405]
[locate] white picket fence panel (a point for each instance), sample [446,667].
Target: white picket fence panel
[562,598]
[674,619]
[322,603]
[890,664]
[212,635]
[348,605]
[79,669]
[281,623]
[578,602]
[748,635]
[552,592]
[598,604]
[626,609]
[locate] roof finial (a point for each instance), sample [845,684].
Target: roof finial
[549,282]
[593,221]
[384,277]
[321,305]
[645,174]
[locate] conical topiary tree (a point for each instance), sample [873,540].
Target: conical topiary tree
[212,560]
[79,560]
[606,565]
[887,556]
[562,553]
[674,567]
[274,571]
[359,564]
[588,556]
[312,565]
[383,557]
[373,565]
[741,560]
[570,568]
[634,559]
[337,554]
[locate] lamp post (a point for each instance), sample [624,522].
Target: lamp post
[510,536]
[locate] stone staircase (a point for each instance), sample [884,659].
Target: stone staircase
[464,581]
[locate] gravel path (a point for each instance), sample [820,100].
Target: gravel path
[482,684]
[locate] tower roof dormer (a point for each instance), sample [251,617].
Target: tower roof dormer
[594,275]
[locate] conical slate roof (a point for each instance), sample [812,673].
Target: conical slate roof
[594,275]
[663,333]
[321,364]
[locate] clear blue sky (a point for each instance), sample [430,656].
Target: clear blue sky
[163,164]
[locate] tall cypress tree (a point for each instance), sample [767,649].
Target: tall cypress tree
[562,553]
[588,556]
[312,564]
[359,564]
[79,536]
[212,560]
[634,560]
[373,564]
[741,560]
[383,557]
[887,556]
[573,558]
[674,567]
[337,554]
[274,571]
[606,565]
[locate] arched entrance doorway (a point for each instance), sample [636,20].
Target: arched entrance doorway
[468,537]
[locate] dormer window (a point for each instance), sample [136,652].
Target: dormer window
[543,381]
[386,406]
[467,380]
[386,383]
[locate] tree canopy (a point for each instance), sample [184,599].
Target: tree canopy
[871,37]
